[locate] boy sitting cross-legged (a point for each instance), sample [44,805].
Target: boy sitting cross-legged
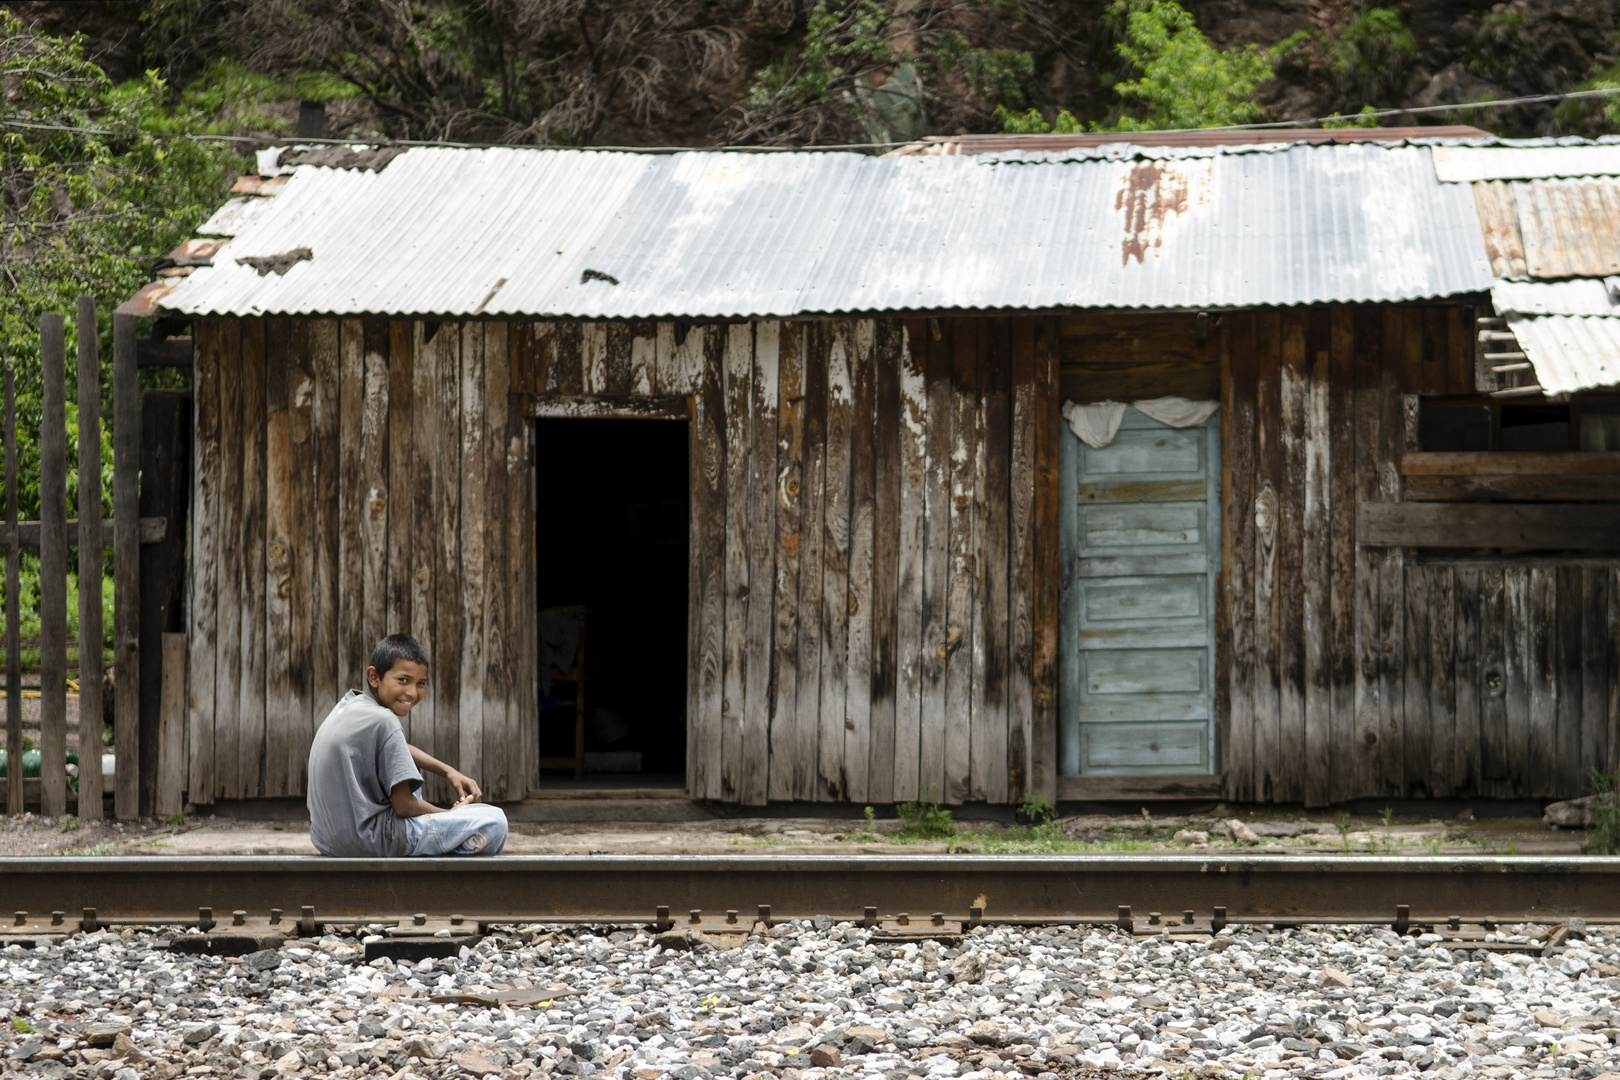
[363,775]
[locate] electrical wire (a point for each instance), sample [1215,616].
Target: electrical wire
[1310,123]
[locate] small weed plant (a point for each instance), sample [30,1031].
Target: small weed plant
[1037,811]
[1603,835]
[178,819]
[69,823]
[925,821]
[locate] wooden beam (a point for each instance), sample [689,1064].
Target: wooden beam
[14,735]
[1511,463]
[152,530]
[126,569]
[170,352]
[1108,788]
[666,407]
[52,571]
[1513,488]
[1488,525]
[90,553]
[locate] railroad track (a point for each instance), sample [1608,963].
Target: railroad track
[917,894]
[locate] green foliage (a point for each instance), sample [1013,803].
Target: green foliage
[1502,43]
[1033,123]
[1593,116]
[1603,836]
[85,212]
[1370,59]
[1182,81]
[925,821]
[24,1026]
[1363,119]
[69,823]
[872,67]
[176,819]
[28,607]
[1037,811]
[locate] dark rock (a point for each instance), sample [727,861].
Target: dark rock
[25,1050]
[103,1034]
[263,960]
[201,1034]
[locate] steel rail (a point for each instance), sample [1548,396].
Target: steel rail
[630,888]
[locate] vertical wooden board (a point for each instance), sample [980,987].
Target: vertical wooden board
[1442,682]
[373,508]
[326,685]
[1361,769]
[519,357]
[886,469]
[1595,749]
[616,359]
[288,555]
[353,648]
[737,369]
[664,373]
[812,531]
[203,639]
[991,732]
[1238,555]
[445,671]
[1044,739]
[1415,680]
[858,751]
[911,638]
[1392,767]
[503,766]
[1569,780]
[961,555]
[835,566]
[678,356]
[251,689]
[91,559]
[762,538]
[421,726]
[1459,359]
[785,584]
[1542,682]
[471,567]
[521,645]
[1407,325]
[1020,555]
[1341,543]
[1268,497]
[1516,676]
[167,799]
[1465,739]
[1293,585]
[235,344]
[1612,653]
[399,432]
[1492,665]
[1316,569]
[711,420]
[52,579]
[569,340]
[643,356]
[936,642]
[593,357]
[544,376]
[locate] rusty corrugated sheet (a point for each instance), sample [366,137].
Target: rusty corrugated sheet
[1551,228]
[1499,224]
[514,231]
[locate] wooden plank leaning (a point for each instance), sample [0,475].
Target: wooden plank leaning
[126,569]
[90,552]
[52,574]
[171,766]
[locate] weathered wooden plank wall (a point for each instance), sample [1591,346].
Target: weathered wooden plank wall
[1377,672]
[355,477]
[867,591]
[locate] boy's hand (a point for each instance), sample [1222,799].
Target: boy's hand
[466,787]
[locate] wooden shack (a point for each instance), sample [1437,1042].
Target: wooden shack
[899,574]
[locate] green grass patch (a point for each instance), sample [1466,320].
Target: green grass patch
[1603,835]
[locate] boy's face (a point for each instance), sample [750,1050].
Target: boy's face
[401,687]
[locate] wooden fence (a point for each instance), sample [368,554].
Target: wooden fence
[53,534]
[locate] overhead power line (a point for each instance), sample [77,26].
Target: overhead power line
[1310,123]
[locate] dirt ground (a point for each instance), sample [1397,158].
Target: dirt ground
[1272,832]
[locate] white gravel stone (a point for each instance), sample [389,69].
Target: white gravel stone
[999,1003]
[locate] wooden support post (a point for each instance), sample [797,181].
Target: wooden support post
[126,569]
[165,465]
[14,750]
[52,571]
[171,740]
[90,551]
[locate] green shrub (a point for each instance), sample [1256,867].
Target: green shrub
[925,821]
[1603,835]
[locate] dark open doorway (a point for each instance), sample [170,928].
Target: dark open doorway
[611,538]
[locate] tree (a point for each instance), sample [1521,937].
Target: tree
[1182,81]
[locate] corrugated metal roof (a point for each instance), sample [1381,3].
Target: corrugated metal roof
[1551,228]
[512,231]
[1570,352]
[1580,296]
[1527,160]
[948,145]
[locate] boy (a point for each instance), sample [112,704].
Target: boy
[363,775]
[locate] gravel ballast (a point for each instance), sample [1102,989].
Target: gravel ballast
[825,1001]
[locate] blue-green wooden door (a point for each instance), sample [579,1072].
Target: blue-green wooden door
[1141,535]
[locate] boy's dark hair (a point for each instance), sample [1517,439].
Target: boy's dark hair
[394,648]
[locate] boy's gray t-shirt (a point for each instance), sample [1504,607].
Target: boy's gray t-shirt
[357,757]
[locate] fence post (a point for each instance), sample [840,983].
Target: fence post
[14,750]
[91,548]
[53,570]
[126,570]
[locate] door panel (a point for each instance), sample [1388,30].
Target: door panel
[1140,543]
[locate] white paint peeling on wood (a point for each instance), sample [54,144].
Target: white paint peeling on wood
[767,353]
[593,356]
[642,353]
[302,395]
[838,392]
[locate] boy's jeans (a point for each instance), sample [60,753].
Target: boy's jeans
[474,829]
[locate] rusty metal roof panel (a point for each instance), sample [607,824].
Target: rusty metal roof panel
[1551,228]
[513,231]
[1570,352]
